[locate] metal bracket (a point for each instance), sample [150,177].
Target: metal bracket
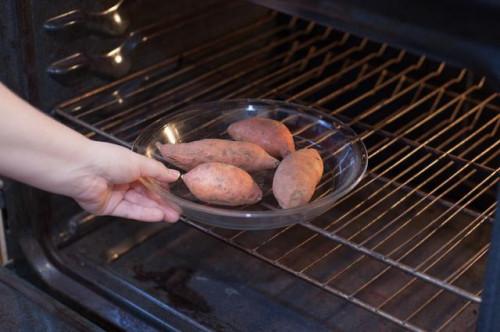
[4,257]
[110,22]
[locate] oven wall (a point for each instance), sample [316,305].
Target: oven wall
[11,73]
[463,33]
[31,47]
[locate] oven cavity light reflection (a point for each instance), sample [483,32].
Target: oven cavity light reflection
[119,99]
[117,18]
[171,133]
[149,152]
[118,58]
[324,123]
[250,108]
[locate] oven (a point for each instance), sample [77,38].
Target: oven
[413,247]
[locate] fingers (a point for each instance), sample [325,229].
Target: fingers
[170,215]
[133,205]
[130,210]
[120,165]
[138,197]
[172,211]
[155,169]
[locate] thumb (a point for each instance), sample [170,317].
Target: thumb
[155,169]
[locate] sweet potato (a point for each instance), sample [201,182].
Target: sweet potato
[273,136]
[248,156]
[222,184]
[296,178]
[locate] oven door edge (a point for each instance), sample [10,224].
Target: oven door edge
[489,313]
[29,213]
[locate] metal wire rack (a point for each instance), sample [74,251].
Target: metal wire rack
[410,242]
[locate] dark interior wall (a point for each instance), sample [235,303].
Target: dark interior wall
[29,49]
[10,64]
[463,33]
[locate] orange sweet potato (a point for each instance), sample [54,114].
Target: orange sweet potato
[222,184]
[273,136]
[296,178]
[247,156]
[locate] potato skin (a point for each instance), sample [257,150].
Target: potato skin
[222,184]
[273,136]
[247,156]
[296,178]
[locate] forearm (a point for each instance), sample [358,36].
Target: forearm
[36,149]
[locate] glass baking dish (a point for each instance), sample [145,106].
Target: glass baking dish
[344,157]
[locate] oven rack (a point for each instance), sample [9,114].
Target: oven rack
[423,213]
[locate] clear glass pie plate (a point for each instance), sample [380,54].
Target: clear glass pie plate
[344,157]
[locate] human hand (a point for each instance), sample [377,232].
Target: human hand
[103,178]
[108,184]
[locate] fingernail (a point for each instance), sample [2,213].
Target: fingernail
[173,173]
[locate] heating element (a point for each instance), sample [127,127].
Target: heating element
[410,242]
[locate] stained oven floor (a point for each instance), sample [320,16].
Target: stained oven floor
[218,286]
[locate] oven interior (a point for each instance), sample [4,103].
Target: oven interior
[405,250]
